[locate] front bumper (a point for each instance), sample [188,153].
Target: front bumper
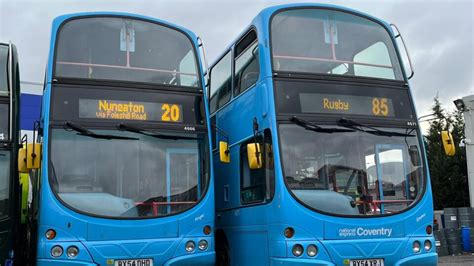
[202,259]
[198,259]
[56,262]
[428,259]
[297,262]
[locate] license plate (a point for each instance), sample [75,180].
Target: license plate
[135,262]
[369,262]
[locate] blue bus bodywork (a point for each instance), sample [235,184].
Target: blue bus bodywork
[102,240]
[269,219]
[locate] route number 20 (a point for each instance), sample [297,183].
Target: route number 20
[171,113]
[379,106]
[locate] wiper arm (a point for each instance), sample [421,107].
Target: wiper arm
[348,123]
[138,130]
[86,132]
[310,126]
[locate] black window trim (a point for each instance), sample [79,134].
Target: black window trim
[231,52]
[247,33]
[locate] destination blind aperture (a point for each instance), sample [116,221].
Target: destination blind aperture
[130,110]
[346,104]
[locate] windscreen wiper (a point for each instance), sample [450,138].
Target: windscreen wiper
[138,130]
[310,126]
[68,125]
[348,123]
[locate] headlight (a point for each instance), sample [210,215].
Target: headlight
[416,247]
[56,251]
[72,251]
[312,250]
[202,245]
[190,246]
[297,250]
[427,245]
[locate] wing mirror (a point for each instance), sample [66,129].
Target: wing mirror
[224,152]
[448,143]
[29,157]
[254,155]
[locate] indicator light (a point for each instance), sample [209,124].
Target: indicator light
[289,232]
[50,234]
[207,230]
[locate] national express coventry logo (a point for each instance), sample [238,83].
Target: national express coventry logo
[360,231]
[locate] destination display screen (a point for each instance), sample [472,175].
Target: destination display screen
[128,110]
[346,104]
[3,122]
[343,99]
[107,104]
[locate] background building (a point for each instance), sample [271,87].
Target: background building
[31,96]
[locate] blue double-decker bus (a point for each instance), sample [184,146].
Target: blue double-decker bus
[125,175]
[319,157]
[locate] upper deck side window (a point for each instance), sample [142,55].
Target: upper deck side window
[125,49]
[221,82]
[246,70]
[4,109]
[3,69]
[332,42]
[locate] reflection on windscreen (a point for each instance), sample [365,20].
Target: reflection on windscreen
[351,173]
[4,182]
[332,42]
[142,177]
[114,48]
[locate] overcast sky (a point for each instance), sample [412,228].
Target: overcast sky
[439,34]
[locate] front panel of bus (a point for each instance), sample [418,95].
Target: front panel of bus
[126,175]
[350,149]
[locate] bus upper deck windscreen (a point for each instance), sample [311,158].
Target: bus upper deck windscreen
[123,49]
[326,41]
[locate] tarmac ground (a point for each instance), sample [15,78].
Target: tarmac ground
[461,260]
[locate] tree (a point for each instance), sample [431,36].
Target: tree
[448,174]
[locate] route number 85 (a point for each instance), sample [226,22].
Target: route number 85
[379,106]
